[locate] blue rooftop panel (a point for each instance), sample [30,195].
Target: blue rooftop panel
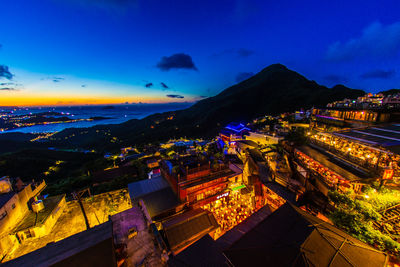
[237,127]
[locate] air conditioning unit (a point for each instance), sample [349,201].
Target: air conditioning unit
[37,206]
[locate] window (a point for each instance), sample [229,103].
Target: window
[3,215]
[200,196]
[28,234]
[13,206]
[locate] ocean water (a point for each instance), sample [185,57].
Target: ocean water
[116,114]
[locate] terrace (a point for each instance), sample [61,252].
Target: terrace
[328,174]
[373,149]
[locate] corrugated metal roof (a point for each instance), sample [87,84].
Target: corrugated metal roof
[160,201]
[144,187]
[385,136]
[185,229]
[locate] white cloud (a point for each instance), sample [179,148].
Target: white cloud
[376,42]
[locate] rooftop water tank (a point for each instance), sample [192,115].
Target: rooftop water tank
[5,185]
[37,206]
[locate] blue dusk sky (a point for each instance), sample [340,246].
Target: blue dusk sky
[67,52]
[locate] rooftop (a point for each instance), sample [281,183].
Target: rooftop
[207,252]
[247,142]
[292,237]
[156,194]
[77,246]
[256,155]
[327,162]
[35,219]
[204,252]
[242,228]
[142,245]
[385,136]
[184,229]
[236,127]
[144,187]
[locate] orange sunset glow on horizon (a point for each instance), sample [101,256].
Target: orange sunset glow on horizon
[77,101]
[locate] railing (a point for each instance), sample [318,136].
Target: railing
[38,187]
[362,163]
[315,174]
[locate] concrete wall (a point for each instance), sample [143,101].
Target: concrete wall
[7,242]
[17,207]
[45,228]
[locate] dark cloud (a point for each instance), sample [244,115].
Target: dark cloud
[335,78]
[8,89]
[379,74]
[55,79]
[58,79]
[245,52]
[149,85]
[175,96]
[241,76]
[164,85]
[10,86]
[376,41]
[176,61]
[6,84]
[240,52]
[5,73]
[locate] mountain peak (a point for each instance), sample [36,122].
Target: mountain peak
[275,67]
[340,86]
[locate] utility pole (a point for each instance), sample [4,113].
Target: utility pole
[78,196]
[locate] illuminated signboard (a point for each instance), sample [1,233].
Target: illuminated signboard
[238,187]
[223,195]
[388,174]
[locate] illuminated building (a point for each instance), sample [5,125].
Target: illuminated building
[197,184]
[316,171]
[41,219]
[152,163]
[14,206]
[233,131]
[365,111]
[263,138]
[373,149]
[369,101]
